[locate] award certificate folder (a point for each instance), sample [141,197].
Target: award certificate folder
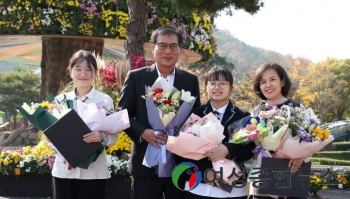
[67,136]
[280,181]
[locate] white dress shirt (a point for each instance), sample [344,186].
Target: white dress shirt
[99,168]
[168,81]
[220,110]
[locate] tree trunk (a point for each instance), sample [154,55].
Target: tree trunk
[137,26]
[56,52]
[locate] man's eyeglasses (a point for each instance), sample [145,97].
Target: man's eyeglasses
[164,46]
[80,72]
[212,85]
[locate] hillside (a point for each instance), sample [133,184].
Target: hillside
[244,56]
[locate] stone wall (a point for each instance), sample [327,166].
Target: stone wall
[20,137]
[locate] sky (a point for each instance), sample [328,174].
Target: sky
[313,29]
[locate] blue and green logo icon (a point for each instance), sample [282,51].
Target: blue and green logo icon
[195,178]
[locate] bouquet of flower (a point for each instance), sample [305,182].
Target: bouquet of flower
[94,115]
[253,128]
[172,107]
[197,136]
[292,128]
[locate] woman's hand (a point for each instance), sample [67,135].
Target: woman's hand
[294,164]
[94,136]
[210,177]
[217,153]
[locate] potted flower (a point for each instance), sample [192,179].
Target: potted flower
[26,172]
[19,168]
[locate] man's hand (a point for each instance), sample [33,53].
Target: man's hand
[217,153]
[150,137]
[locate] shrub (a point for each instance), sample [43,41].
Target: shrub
[338,155]
[329,161]
[341,146]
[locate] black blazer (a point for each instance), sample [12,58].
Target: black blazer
[238,152]
[133,89]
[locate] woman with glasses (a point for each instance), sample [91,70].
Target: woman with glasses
[219,85]
[272,83]
[69,183]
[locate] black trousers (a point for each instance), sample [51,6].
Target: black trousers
[78,189]
[154,188]
[189,195]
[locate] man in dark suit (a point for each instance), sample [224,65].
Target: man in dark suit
[166,50]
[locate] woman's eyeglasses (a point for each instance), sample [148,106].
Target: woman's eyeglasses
[80,72]
[219,84]
[164,46]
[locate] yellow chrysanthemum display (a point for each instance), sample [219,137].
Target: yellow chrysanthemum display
[123,144]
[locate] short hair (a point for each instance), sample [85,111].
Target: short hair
[281,73]
[216,72]
[81,55]
[167,30]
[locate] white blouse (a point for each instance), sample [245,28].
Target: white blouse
[99,168]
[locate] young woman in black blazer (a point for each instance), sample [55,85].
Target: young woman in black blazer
[219,85]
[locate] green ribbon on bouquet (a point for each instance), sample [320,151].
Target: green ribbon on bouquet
[92,158]
[41,118]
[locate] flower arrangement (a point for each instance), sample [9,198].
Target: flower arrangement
[254,127]
[278,130]
[173,107]
[38,159]
[339,179]
[302,123]
[197,27]
[168,102]
[196,137]
[118,165]
[122,146]
[104,19]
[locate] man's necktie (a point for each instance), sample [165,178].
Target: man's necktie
[217,114]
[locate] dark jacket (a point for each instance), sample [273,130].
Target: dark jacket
[133,89]
[237,152]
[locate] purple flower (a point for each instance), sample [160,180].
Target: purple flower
[313,121]
[180,102]
[42,163]
[303,135]
[50,162]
